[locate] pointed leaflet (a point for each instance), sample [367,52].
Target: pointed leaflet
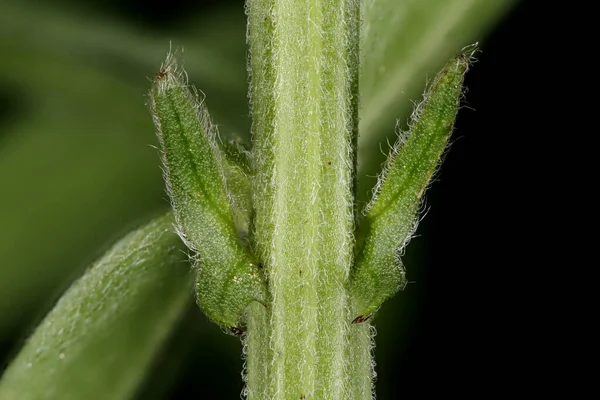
[99,341]
[228,277]
[391,216]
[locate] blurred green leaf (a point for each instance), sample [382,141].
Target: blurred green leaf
[403,43]
[75,162]
[215,62]
[72,179]
[100,338]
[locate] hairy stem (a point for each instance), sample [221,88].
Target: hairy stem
[303,64]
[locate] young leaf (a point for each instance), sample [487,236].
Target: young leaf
[75,157]
[100,338]
[228,275]
[391,216]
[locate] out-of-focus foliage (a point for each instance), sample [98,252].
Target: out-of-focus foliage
[75,162]
[99,340]
[77,166]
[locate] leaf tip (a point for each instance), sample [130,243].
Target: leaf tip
[169,75]
[466,57]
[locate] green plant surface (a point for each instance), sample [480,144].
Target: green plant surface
[228,276]
[236,168]
[304,67]
[71,58]
[391,216]
[100,338]
[57,167]
[77,169]
[74,36]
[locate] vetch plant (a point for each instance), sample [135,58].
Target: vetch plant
[281,252]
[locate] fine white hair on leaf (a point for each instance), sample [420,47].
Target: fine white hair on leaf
[194,171]
[398,202]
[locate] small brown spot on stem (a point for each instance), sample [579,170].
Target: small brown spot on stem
[361,318]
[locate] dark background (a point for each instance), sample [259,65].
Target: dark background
[450,331]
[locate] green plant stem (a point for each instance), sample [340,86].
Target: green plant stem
[304,63]
[360,362]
